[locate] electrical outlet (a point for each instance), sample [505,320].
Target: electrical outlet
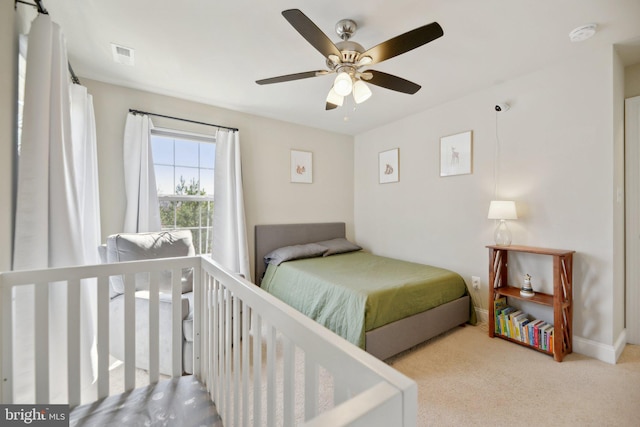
[475,282]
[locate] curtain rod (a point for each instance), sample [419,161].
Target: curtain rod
[38,5]
[184,120]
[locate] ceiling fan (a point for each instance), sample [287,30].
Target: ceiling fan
[346,58]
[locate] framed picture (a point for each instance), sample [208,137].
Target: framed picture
[301,166]
[456,154]
[388,166]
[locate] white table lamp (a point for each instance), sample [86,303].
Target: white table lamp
[502,210]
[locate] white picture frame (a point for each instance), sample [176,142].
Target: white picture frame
[456,154]
[301,167]
[389,166]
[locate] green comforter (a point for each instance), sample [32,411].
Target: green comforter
[356,292]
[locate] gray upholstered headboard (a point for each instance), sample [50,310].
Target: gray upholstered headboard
[273,236]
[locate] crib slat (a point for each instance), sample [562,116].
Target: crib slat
[129,333]
[237,321]
[6,388]
[154,328]
[41,324]
[73,341]
[256,326]
[176,323]
[214,341]
[310,387]
[197,320]
[340,390]
[246,345]
[220,350]
[271,376]
[208,357]
[227,351]
[288,392]
[102,339]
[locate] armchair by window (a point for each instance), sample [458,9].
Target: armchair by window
[142,246]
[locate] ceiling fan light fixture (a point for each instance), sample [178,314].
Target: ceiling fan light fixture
[361,92]
[364,60]
[334,98]
[343,84]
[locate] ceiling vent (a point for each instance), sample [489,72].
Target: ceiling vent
[122,55]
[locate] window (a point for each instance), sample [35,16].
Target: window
[184,168]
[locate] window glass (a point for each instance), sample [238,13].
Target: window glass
[187,153]
[162,150]
[184,171]
[164,179]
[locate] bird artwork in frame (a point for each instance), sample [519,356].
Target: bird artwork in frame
[301,167]
[389,166]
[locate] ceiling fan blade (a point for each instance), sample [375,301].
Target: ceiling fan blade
[289,77]
[404,42]
[330,106]
[392,82]
[311,32]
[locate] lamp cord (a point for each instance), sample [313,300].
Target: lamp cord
[495,161]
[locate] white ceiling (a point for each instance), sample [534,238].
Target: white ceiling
[214,51]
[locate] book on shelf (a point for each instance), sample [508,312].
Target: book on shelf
[504,319]
[524,332]
[498,305]
[511,333]
[517,325]
[544,335]
[532,330]
[536,333]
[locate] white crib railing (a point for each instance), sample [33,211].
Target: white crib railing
[263,362]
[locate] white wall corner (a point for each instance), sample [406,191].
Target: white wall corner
[603,352]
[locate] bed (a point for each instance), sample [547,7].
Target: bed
[381,304]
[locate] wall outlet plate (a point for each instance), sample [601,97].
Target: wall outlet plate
[475,282]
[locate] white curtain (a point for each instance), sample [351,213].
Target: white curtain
[50,210]
[142,212]
[229,245]
[85,150]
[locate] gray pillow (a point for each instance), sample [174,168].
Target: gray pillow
[289,253]
[143,246]
[338,246]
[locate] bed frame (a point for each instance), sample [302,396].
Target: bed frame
[382,342]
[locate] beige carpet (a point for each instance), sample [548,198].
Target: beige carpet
[466,378]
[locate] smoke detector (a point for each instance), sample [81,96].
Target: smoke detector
[122,55]
[583,32]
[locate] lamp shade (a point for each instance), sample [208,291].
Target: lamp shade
[334,98]
[502,209]
[343,84]
[361,91]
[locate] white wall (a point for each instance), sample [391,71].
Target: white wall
[270,197]
[556,159]
[8,108]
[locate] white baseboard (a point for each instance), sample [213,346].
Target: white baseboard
[603,352]
[482,315]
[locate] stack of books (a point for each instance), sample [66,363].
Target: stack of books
[513,323]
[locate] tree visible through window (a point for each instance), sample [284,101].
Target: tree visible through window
[184,168]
